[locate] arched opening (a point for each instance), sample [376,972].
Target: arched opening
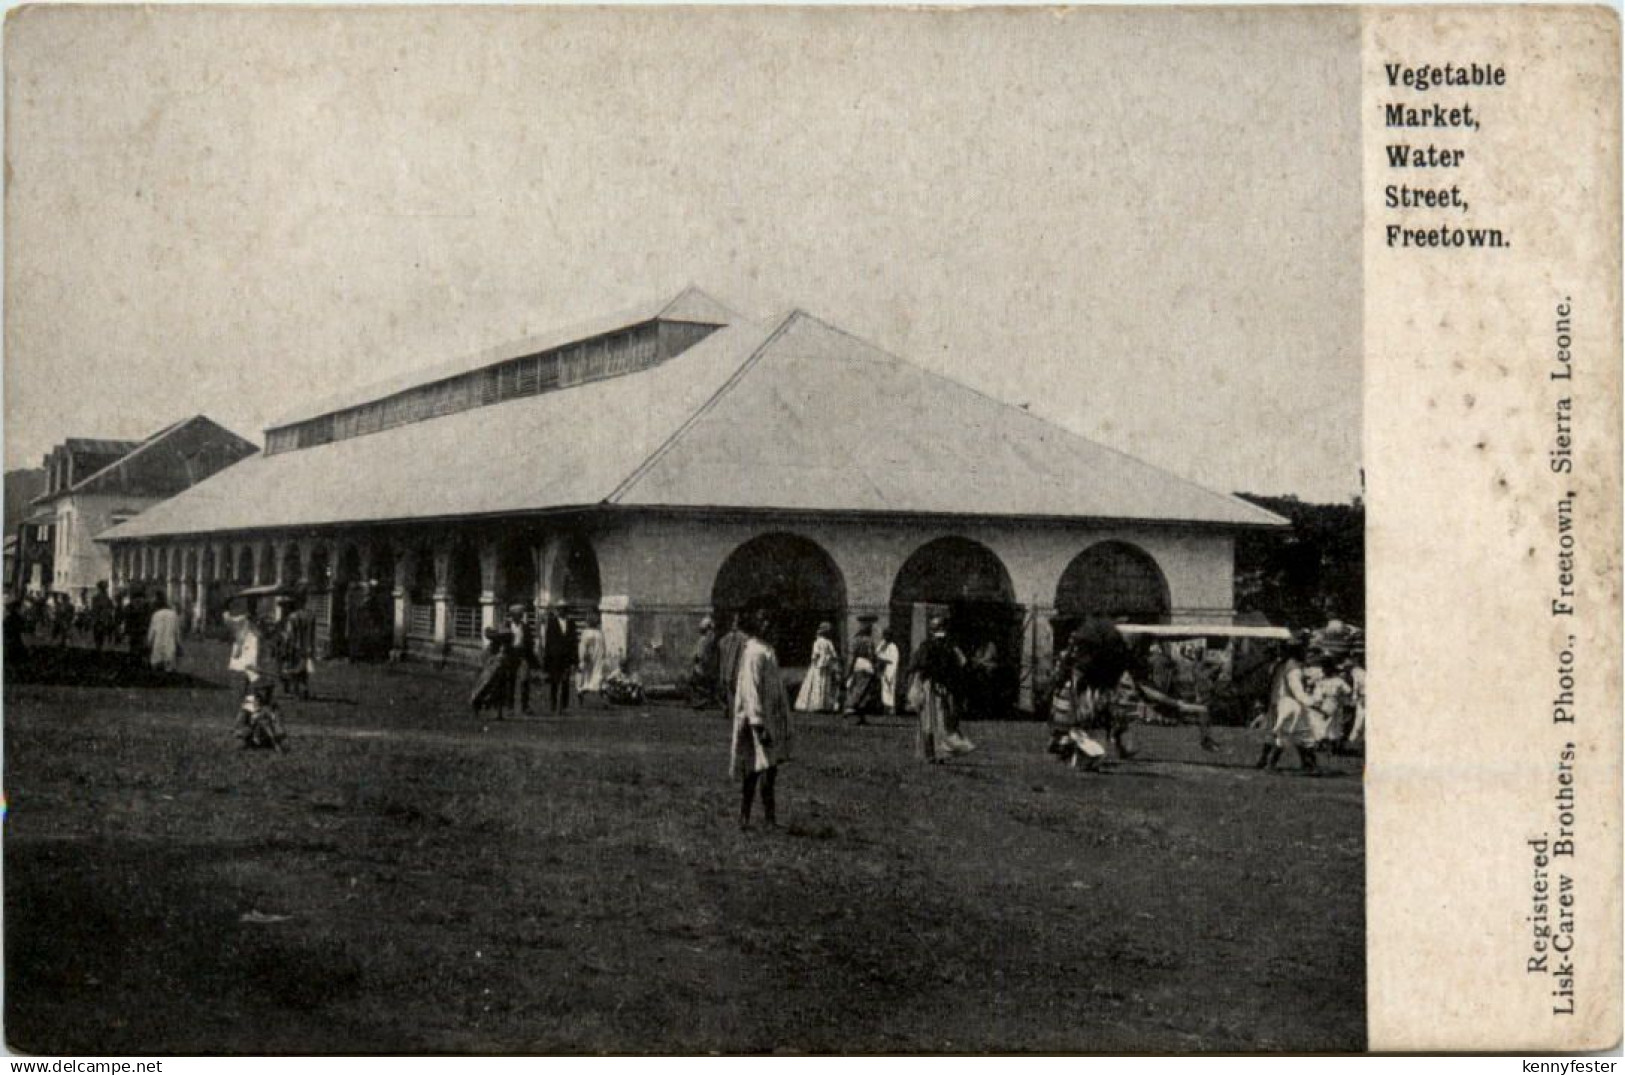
[347,605]
[798,576]
[1111,580]
[965,581]
[465,593]
[572,576]
[292,566]
[420,594]
[245,566]
[516,575]
[382,574]
[372,617]
[267,570]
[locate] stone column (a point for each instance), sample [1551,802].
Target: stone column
[615,617]
[307,553]
[201,590]
[442,594]
[490,584]
[405,565]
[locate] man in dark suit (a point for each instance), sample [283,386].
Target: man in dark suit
[560,647]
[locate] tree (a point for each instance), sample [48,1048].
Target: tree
[1309,574]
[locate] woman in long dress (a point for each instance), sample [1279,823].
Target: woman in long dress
[938,679]
[821,690]
[163,637]
[761,721]
[862,685]
[889,659]
[493,687]
[1292,710]
[590,661]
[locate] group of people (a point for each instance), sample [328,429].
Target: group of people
[864,685]
[568,659]
[1317,699]
[1102,683]
[148,626]
[750,685]
[267,651]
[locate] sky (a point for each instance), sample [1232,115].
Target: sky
[1143,224]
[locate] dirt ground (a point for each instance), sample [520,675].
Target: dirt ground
[409,880]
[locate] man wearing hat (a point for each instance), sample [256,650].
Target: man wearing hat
[559,654]
[523,645]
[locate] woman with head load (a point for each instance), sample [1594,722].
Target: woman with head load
[935,691]
[761,717]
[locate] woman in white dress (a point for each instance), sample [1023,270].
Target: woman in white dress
[821,690]
[888,658]
[1296,722]
[590,662]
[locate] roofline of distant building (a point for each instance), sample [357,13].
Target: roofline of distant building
[711,512]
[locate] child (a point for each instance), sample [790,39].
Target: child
[259,725]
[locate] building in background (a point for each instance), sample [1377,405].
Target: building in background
[677,461]
[24,574]
[91,485]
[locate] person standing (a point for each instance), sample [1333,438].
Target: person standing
[297,647]
[163,637]
[890,662]
[136,614]
[103,617]
[1290,704]
[935,691]
[61,619]
[729,648]
[590,667]
[494,686]
[560,652]
[703,665]
[821,690]
[761,720]
[524,657]
[862,684]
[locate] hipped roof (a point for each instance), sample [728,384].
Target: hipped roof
[793,415]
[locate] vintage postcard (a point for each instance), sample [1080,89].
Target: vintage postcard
[814,530]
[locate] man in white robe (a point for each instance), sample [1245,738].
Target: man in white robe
[761,720]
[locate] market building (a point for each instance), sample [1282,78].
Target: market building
[676,461]
[92,485]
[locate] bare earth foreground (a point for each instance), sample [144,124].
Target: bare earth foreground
[406,880]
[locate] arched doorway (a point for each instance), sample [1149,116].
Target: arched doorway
[572,577]
[347,605]
[292,565]
[1111,580]
[245,566]
[420,594]
[797,575]
[967,582]
[516,575]
[465,593]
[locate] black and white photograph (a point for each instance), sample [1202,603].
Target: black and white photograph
[684,531]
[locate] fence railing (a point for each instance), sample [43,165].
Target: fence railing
[420,621]
[465,622]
